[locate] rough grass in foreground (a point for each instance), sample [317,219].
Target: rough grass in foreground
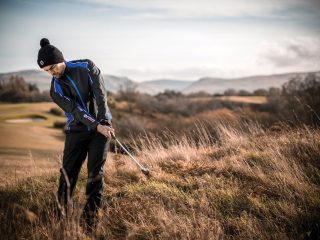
[246,184]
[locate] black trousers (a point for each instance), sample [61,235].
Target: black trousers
[78,146]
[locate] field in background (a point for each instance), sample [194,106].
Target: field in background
[28,145]
[245,99]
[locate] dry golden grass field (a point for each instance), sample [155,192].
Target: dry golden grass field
[242,183]
[245,99]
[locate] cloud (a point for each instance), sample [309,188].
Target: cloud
[206,8]
[293,52]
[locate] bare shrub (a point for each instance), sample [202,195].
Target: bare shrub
[298,101]
[130,126]
[16,89]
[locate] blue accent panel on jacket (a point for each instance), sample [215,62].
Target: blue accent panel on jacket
[75,88]
[57,87]
[77,64]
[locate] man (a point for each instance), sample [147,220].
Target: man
[77,87]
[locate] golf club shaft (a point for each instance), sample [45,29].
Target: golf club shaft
[132,157]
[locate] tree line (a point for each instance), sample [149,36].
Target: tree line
[298,101]
[16,89]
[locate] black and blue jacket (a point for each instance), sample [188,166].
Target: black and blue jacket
[80,92]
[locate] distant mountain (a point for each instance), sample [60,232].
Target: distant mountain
[156,86]
[219,85]
[207,84]
[114,84]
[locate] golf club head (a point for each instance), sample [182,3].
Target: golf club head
[146,172]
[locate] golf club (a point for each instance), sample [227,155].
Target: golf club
[144,170]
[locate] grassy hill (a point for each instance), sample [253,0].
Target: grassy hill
[237,184]
[23,143]
[251,83]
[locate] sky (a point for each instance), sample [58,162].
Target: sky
[156,39]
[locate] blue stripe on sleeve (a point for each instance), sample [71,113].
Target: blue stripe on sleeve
[77,64]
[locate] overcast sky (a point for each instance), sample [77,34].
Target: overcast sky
[152,39]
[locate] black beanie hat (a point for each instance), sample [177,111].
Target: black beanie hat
[48,54]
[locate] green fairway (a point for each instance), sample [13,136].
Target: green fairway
[26,146]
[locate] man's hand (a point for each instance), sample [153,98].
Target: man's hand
[105,130]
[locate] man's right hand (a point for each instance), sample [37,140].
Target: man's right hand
[105,130]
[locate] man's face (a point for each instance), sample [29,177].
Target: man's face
[56,70]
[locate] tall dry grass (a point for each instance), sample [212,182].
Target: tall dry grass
[240,183]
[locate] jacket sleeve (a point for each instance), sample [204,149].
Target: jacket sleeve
[100,93]
[70,106]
